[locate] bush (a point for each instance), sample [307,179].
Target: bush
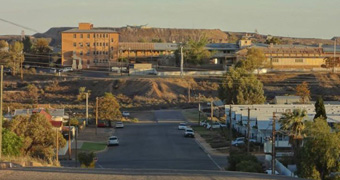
[237,157]
[249,166]
[11,143]
[86,159]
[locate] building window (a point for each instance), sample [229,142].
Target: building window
[81,44]
[275,60]
[94,35]
[75,44]
[81,35]
[100,36]
[111,39]
[81,53]
[299,60]
[94,44]
[100,44]
[88,35]
[74,35]
[88,44]
[107,35]
[88,53]
[111,48]
[107,44]
[88,61]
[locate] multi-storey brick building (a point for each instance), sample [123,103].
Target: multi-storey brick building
[86,46]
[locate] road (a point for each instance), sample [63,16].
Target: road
[156,145]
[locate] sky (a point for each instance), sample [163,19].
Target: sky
[292,18]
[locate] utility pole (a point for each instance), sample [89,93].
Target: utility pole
[181,61]
[57,147]
[21,70]
[248,131]
[87,108]
[76,146]
[211,111]
[96,114]
[69,136]
[199,108]
[1,95]
[230,128]
[189,93]
[334,61]
[273,144]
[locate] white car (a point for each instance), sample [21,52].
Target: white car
[119,125]
[203,123]
[113,140]
[189,132]
[67,69]
[240,141]
[269,171]
[125,114]
[182,126]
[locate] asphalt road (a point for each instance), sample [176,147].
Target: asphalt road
[156,145]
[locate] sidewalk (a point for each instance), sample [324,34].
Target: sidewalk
[207,148]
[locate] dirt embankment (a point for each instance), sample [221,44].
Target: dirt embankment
[154,93]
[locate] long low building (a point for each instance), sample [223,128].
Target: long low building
[87,46]
[261,119]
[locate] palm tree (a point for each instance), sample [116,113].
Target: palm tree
[293,124]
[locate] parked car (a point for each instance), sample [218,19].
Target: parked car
[182,126]
[119,125]
[67,69]
[189,132]
[203,123]
[102,123]
[53,70]
[215,125]
[269,171]
[240,141]
[125,114]
[113,140]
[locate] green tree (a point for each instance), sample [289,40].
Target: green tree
[240,87]
[15,57]
[74,122]
[320,109]
[273,40]
[11,143]
[320,153]
[40,46]
[109,108]
[82,94]
[195,51]
[255,59]
[293,124]
[38,134]
[303,91]
[242,161]
[27,44]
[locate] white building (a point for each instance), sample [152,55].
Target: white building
[261,118]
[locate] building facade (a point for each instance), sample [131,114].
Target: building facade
[86,46]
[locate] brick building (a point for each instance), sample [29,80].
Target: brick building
[87,46]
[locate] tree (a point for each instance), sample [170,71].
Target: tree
[320,109]
[255,59]
[27,44]
[303,91]
[86,159]
[320,153]
[232,38]
[74,122]
[40,46]
[195,51]
[11,143]
[82,94]
[273,40]
[3,44]
[33,93]
[293,123]
[241,161]
[14,58]
[109,108]
[241,87]
[38,134]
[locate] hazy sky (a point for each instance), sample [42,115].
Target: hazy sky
[294,18]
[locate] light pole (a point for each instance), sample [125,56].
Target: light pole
[181,61]
[69,135]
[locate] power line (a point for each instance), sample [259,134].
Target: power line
[16,24]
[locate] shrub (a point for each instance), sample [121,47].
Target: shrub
[249,166]
[86,159]
[11,143]
[236,157]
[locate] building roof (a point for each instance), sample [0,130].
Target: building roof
[94,30]
[222,46]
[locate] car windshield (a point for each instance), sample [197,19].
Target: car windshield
[182,124]
[114,138]
[190,131]
[119,123]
